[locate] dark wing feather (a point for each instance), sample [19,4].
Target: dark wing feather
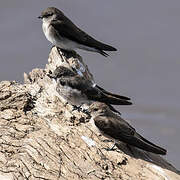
[114,127]
[92,93]
[83,85]
[120,130]
[69,30]
[115,95]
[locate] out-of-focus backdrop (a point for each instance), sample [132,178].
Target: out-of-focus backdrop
[146,67]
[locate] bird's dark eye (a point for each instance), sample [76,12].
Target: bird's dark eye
[95,109]
[48,15]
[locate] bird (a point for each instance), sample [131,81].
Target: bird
[114,127]
[63,33]
[77,90]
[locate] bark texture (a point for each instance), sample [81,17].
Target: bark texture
[42,138]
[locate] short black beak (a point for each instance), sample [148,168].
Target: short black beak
[40,17]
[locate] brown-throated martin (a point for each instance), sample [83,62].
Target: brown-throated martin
[63,33]
[116,128]
[77,90]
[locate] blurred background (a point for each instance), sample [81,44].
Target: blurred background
[146,66]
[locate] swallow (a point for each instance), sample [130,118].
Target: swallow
[114,127]
[63,33]
[77,90]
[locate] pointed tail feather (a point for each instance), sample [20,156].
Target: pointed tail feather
[145,140]
[105,47]
[113,100]
[108,99]
[115,95]
[142,143]
[103,53]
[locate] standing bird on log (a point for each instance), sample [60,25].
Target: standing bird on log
[77,90]
[116,128]
[63,33]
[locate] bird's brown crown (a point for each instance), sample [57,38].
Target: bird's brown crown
[50,11]
[98,106]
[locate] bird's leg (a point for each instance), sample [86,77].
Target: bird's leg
[63,54]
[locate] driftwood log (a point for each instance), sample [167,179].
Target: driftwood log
[42,138]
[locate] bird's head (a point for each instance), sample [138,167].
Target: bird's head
[50,14]
[61,71]
[98,108]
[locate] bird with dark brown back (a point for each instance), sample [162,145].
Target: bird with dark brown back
[63,33]
[116,128]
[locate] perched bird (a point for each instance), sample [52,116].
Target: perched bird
[63,33]
[77,90]
[116,128]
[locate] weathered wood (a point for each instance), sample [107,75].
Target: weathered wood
[42,138]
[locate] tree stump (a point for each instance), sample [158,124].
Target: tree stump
[42,138]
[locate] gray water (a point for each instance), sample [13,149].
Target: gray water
[146,67]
